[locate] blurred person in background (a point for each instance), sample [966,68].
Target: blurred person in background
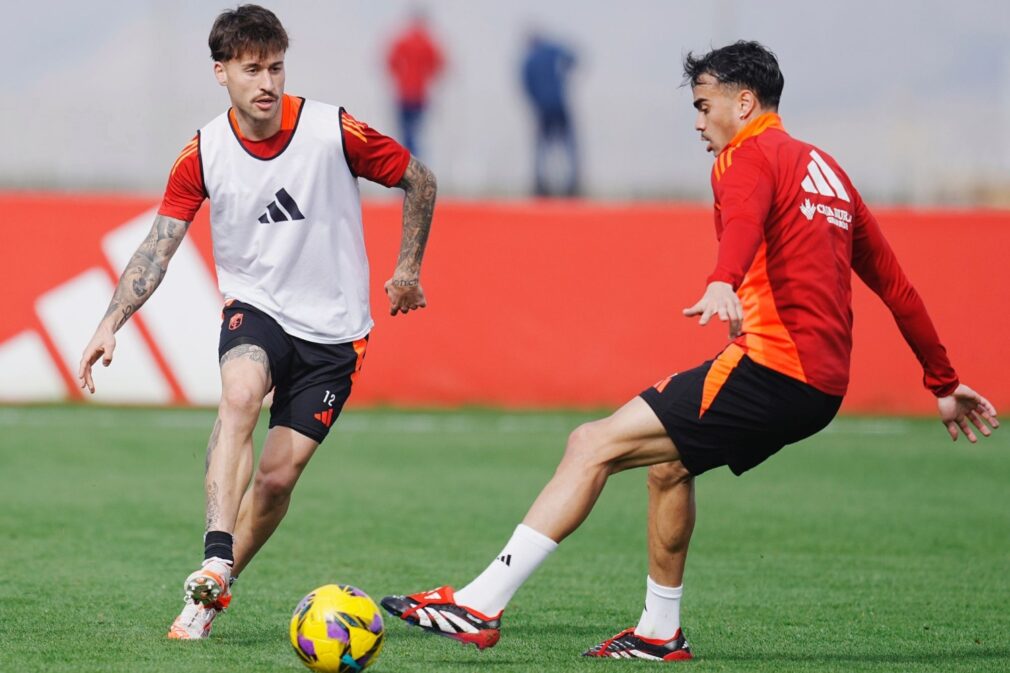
[792,229]
[281,175]
[545,72]
[414,61]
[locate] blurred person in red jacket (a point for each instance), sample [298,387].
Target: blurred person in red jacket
[414,61]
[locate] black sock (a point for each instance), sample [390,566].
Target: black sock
[217,543]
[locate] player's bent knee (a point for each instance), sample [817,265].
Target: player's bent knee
[587,446]
[665,476]
[579,442]
[275,484]
[241,400]
[578,438]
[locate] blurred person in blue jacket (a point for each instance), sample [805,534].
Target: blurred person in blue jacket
[545,71]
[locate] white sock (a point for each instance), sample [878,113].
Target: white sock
[220,566]
[661,616]
[493,588]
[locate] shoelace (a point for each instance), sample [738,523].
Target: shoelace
[605,645]
[423,603]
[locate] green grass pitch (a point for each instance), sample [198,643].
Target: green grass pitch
[875,546]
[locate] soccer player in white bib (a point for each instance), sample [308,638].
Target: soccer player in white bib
[281,176]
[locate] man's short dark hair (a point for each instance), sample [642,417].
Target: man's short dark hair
[246,30]
[747,65]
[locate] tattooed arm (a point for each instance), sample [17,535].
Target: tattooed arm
[141,277]
[404,288]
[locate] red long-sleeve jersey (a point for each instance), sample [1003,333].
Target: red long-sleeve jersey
[790,227]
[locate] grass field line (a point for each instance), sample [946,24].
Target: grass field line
[384,421]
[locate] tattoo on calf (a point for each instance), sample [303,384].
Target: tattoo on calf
[212,444]
[213,508]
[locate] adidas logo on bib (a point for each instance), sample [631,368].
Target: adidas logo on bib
[282,209]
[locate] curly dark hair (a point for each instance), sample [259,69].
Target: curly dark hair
[743,64]
[246,30]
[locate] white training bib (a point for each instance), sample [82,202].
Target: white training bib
[287,231]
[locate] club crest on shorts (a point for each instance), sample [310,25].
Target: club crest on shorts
[235,322]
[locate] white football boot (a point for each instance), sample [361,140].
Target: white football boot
[207,594]
[208,584]
[195,620]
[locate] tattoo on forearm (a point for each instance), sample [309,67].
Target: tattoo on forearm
[213,508]
[420,189]
[212,444]
[145,269]
[140,286]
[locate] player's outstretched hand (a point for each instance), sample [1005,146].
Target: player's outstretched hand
[962,406]
[719,299]
[101,346]
[405,295]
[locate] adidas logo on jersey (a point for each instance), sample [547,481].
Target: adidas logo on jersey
[506,559]
[820,179]
[282,209]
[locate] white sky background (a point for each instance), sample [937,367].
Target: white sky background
[913,97]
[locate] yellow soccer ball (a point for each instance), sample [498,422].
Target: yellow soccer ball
[337,629]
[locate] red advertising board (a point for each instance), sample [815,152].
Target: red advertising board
[531,304]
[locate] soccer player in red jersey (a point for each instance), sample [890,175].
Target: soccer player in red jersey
[281,174]
[791,228]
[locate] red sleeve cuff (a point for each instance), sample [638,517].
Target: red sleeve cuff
[397,173]
[186,214]
[184,193]
[946,389]
[721,276]
[372,155]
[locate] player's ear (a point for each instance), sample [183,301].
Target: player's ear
[746,103]
[220,73]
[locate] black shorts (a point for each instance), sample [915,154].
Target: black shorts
[311,381]
[754,413]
